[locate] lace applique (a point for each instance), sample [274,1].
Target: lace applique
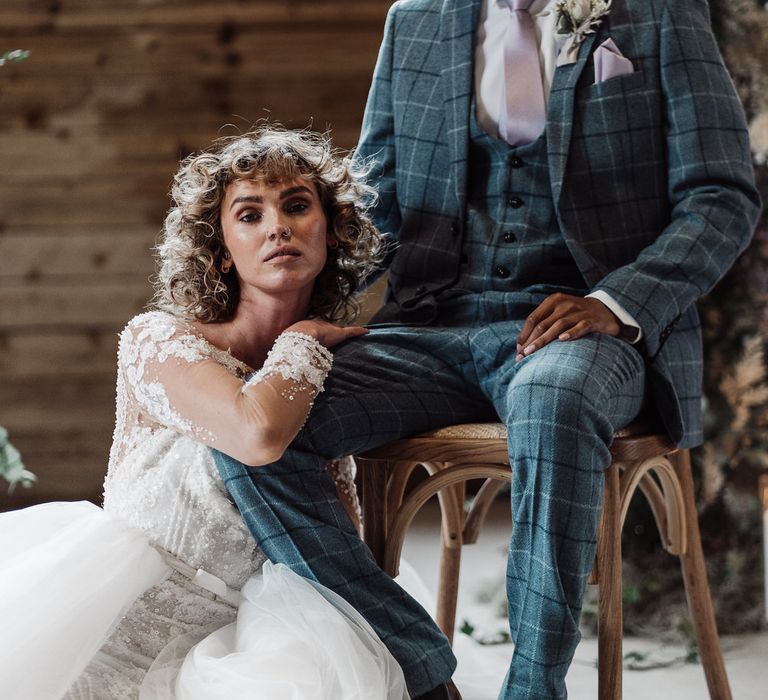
[154,338]
[299,359]
[150,338]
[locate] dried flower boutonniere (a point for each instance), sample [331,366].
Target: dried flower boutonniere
[577,19]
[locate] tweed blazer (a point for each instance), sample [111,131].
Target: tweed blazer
[651,172]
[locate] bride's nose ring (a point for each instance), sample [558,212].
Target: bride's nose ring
[285,234]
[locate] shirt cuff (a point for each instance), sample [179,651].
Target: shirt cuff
[631,330]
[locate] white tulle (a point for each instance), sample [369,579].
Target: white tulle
[481,669]
[293,639]
[70,570]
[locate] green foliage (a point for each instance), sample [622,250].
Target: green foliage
[15,56]
[11,467]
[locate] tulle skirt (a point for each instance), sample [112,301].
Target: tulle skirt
[69,571]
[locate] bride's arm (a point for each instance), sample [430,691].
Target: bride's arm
[176,381]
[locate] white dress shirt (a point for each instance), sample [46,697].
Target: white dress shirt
[489,85]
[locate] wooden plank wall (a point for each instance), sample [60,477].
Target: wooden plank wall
[91,129]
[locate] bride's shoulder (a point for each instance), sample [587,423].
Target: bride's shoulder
[157,324]
[162,333]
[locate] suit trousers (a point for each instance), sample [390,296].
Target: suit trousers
[561,406]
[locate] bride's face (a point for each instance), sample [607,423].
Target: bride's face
[276,234]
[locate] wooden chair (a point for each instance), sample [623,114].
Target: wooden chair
[642,459]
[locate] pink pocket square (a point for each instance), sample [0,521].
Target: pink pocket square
[609,63]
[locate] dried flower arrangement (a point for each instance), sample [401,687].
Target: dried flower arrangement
[735,329]
[735,314]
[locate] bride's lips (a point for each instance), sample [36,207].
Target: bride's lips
[286,251]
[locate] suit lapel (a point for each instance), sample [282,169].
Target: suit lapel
[458,23]
[560,115]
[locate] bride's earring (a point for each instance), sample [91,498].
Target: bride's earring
[226,262]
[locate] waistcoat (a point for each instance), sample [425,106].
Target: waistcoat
[512,239]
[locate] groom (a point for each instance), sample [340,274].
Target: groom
[559,203]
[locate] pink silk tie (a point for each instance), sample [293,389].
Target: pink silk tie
[523,113]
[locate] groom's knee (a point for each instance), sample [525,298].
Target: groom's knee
[547,390]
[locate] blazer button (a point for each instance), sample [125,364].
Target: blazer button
[509,236]
[515,202]
[501,271]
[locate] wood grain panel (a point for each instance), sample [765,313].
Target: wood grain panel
[71,404]
[228,98]
[45,356]
[92,127]
[104,15]
[100,200]
[57,306]
[250,52]
[103,255]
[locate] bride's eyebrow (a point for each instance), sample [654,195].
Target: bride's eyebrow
[246,198]
[295,190]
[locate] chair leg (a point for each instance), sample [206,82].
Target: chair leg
[610,615]
[448,590]
[697,588]
[451,540]
[373,478]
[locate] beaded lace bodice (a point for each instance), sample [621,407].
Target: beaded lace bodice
[161,476]
[162,479]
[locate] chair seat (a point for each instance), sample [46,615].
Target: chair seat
[498,431]
[486,443]
[469,431]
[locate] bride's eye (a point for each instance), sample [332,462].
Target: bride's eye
[249,216]
[297,206]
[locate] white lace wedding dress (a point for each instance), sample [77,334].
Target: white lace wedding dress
[90,607]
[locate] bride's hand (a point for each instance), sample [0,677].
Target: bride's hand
[325,333]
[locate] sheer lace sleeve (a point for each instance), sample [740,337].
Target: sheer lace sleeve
[180,381]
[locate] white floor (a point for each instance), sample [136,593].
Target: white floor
[482,668]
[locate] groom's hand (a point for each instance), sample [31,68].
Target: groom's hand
[564,317]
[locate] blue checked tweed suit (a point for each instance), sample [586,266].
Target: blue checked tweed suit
[651,173]
[651,181]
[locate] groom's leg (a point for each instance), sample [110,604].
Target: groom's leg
[561,406]
[383,386]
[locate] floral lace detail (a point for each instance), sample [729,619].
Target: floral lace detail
[175,612]
[299,359]
[156,337]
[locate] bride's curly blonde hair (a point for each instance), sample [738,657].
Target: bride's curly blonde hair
[190,283]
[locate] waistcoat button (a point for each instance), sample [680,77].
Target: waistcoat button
[501,271]
[515,202]
[509,236]
[516,162]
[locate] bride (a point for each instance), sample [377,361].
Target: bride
[163,593]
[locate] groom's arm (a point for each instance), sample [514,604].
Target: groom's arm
[715,204]
[377,137]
